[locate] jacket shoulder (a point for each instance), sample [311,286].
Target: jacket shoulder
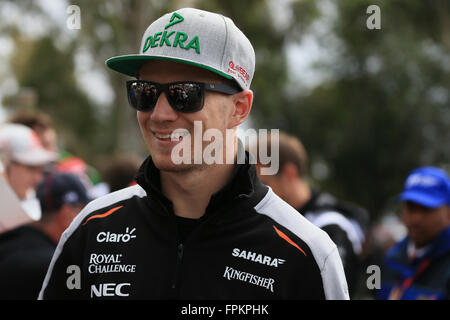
[319,243]
[104,203]
[282,213]
[91,210]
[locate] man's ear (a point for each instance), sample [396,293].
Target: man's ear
[242,105]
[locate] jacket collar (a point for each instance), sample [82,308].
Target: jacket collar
[243,184]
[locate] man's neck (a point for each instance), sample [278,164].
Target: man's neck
[190,191]
[49,229]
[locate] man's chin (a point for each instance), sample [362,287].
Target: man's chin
[165,163]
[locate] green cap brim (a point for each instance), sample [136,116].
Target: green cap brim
[130,64]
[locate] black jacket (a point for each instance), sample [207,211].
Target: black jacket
[345,223]
[25,253]
[249,244]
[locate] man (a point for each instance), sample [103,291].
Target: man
[342,221]
[26,251]
[24,159]
[192,229]
[418,267]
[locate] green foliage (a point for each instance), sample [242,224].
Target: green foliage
[49,72]
[385,108]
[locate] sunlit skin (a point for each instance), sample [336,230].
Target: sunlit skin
[424,224]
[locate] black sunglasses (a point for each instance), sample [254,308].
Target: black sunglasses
[183,96]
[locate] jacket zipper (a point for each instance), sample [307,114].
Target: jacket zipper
[180,251]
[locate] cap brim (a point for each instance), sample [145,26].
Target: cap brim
[422,199]
[38,157]
[130,64]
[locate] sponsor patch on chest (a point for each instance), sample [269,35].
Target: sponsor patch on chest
[257,257]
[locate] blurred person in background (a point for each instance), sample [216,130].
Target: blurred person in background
[120,171]
[24,160]
[344,222]
[26,251]
[381,236]
[40,123]
[418,267]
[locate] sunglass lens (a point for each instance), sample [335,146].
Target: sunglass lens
[142,96]
[186,97]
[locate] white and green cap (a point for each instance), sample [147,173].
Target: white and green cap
[197,37]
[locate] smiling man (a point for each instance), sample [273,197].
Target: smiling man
[175,235]
[223,112]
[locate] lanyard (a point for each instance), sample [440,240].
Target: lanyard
[397,291]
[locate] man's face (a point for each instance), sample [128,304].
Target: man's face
[423,223]
[157,125]
[23,178]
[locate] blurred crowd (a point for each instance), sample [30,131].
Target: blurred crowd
[51,186]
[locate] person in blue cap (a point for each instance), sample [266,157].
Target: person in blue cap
[418,267]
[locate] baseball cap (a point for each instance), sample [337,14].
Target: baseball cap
[204,39]
[57,189]
[21,144]
[427,186]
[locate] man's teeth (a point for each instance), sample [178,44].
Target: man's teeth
[162,136]
[175,135]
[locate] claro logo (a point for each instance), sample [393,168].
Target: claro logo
[116,237]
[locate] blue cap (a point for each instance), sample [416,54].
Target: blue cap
[427,186]
[58,189]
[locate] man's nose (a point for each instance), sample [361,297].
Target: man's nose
[163,111]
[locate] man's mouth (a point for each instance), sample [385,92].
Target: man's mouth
[162,136]
[176,135]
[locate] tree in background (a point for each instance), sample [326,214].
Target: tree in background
[384,106]
[57,93]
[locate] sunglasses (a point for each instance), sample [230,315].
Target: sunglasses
[183,96]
